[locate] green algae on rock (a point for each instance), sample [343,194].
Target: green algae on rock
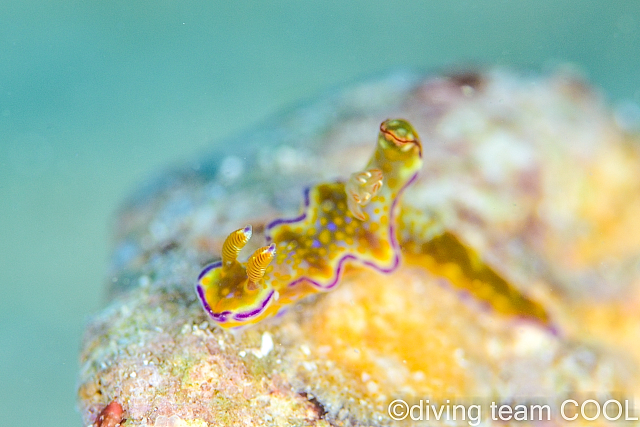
[532,173]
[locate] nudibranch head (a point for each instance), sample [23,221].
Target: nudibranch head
[232,292]
[398,139]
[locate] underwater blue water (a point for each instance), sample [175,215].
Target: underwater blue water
[96,96]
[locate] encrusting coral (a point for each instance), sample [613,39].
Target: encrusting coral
[513,277]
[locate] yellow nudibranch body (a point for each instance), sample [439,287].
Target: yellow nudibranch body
[357,223]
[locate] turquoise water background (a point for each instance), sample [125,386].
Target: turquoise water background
[96,96]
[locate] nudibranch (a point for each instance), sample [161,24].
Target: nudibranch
[356,223]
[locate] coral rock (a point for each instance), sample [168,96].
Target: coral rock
[533,173]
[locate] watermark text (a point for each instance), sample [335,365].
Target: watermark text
[473,414]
